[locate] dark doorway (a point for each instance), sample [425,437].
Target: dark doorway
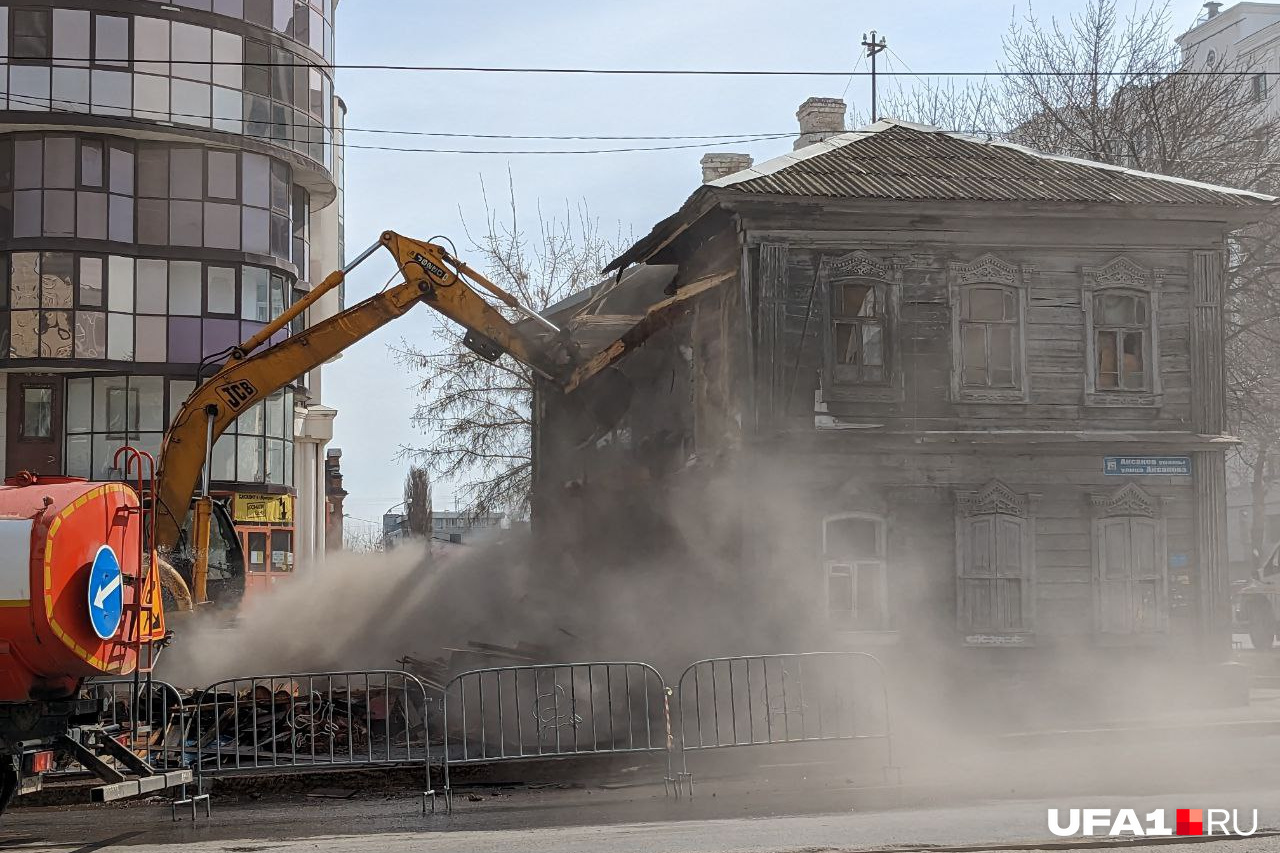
[34,424]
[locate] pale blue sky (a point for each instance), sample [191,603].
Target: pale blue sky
[421,194]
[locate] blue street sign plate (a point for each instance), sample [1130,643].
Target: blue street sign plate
[106,593]
[1155,466]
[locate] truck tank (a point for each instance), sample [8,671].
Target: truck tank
[76,598]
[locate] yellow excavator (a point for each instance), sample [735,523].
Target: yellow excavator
[432,276]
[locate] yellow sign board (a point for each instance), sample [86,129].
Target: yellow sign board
[251,508]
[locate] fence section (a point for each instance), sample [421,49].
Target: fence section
[146,716]
[777,699]
[555,710]
[312,721]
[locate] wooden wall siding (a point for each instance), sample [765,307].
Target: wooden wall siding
[917,493]
[770,373]
[1055,341]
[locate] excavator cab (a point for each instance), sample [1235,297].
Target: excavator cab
[226,577]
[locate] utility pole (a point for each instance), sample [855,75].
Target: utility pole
[873,47]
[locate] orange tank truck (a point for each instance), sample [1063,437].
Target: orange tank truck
[76,601]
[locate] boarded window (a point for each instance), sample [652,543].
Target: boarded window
[1131,574]
[1121,334]
[859,333]
[994,593]
[990,337]
[856,575]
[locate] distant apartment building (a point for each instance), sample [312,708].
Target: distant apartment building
[170,181]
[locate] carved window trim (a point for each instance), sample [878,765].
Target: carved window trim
[1123,275]
[988,270]
[862,267]
[983,513]
[1133,510]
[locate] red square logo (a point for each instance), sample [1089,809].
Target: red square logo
[1190,822]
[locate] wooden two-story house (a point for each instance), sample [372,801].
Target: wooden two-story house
[909,390]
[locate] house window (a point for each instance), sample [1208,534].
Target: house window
[989,336]
[37,411]
[30,34]
[988,307]
[1129,563]
[859,319]
[1120,341]
[1122,307]
[1258,87]
[995,592]
[856,575]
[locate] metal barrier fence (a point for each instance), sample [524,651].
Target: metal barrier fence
[293,722]
[147,717]
[555,710]
[757,700]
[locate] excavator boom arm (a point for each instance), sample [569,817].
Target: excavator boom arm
[430,275]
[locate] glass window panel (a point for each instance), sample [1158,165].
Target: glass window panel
[90,282]
[120,284]
[974,354]
[24,334]
[280,242]
[227,110]
[224,461]
[1113,309]
[179,391]
[850,299]
[227,49]
[281,14]
[255,227]
[275,420]
[1001,345]
[315,31]
[60,162]
[223,180]
[59,213]
[1108,361]
[29,163]
[112,92]
[121,171]
[71,89]
[257,68]
[91,334]
[90,163]
[121,218]
[288,463]
[1133,370]
[275,463]
[71,36]
[277,296]
[37,412]
[152,337]
[184,340]
[872,345]
[6,159]
[26,213]
[56,334]
[6,216]
[101,385]
[194,44]
[254,294]
[249,459]
[186,225]
[80,405]
[253,421]
[153,286]
[846,343]
[122,405]
[186,173]
[79,456]
[120,337]
[315,93]
[29,88]
[987,303]
[91,215]
[852,537]
[111,40]
[30,33]
[280,195]
[222,290]
[151,46]
[233,8]
[153,221]
[222,226]
[191,102]
[57,269]
[153,171]
[184,288]
[255,180]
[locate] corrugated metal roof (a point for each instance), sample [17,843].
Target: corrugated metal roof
[901,161]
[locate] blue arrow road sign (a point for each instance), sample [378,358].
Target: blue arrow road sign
[106,593]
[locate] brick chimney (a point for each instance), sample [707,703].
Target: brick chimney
[334,495]
[722,163]
[820,118]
